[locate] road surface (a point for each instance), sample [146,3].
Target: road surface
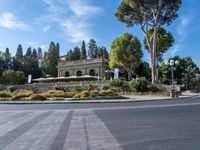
[153,125]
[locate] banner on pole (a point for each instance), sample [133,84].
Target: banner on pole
[116,74]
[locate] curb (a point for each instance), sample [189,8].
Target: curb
[88,101]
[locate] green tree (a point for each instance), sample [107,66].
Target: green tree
[83,51]
[126,54]
[12,77]
[164,41]
[28,62]
[185,71]
[102,51]
[51,60]
[18,59]
[92,49]
[145,13]
[7,59]
[144,71]
[76,54]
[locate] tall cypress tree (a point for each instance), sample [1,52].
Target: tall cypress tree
[28,62]
[51,60]
[76,53]
[18,59]
[92,49]
[7,59]
[83,51]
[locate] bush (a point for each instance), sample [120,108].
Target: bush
[66,94]
[139,84]
[55,92]
[105,87]
[37,97]
[5,93]
[106,93]
[21,94]
[60,88]
[154,89]
[116,83]
[82,95]
[11,88]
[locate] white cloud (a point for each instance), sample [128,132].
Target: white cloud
[177,48]
[46,28]
[182,31]
[76,30]
[81,8]
[72,16]
[8,20]
[182,28]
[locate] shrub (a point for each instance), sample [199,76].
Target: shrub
[105,87]
[37,97]
[106,93]
[5,93]
[154,89]
[60,88]
[23,93]
[116,83]
[82,95]
[66,94]
[55,92]
[139,84]
[11,88]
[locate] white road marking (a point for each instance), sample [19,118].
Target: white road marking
[88,132]
[41,135]
[12,124]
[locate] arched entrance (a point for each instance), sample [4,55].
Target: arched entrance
[79,73]
[92,72]
[67,74]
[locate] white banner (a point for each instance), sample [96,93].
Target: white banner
[29,78]
[116,74]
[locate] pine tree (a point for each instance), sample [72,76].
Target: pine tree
[83,51]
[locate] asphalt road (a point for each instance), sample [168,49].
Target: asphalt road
[153,125]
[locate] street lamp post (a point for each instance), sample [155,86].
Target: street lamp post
[173,65]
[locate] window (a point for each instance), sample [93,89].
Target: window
[67,74]
[79,73]
[92,72]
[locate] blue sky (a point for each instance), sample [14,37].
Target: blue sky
[38,22]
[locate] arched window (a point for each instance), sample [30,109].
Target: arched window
[67,74]
[79,73]
[92,72]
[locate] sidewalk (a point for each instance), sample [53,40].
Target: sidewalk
[130,99]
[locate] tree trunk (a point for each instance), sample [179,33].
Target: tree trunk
[154,53]
[129,75]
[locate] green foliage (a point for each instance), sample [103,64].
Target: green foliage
[139,84]
[51,60]
[11,88]
[164,41]
[116,83]
[153,88]
[55,92]
[126,54]
[185,71]
[83,51]
[12,77]
[5,93]
[147,13]
[106,87]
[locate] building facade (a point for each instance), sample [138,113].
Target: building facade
[93,67]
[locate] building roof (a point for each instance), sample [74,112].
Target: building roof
[70,78]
